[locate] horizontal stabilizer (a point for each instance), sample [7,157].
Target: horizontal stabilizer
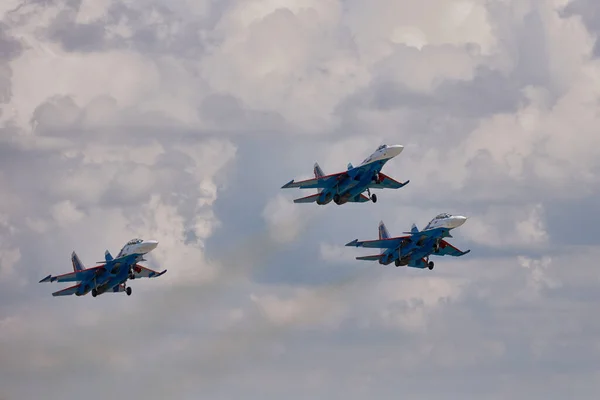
[324,181]
[308,199]
[78,276]
[375,257]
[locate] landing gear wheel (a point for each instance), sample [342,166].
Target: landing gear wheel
[94,293]
[132,276]
[430,265]
[397,262]
[336,198]
[128,291]
[374,198]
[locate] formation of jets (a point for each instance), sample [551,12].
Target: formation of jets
[412,250]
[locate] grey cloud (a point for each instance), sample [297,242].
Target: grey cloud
[10,48]
[187,37]
[489,92]
[507,330]
[229,114]
[589,12]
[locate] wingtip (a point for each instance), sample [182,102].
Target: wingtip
[406,183]
[287,184]
[352,243]
[46,279]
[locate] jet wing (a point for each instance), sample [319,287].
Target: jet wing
[315,183]
[446,249]
[308,199]
[78,276]
[67,292]
[390,243]
[385,182]
[143,272]
[374,257]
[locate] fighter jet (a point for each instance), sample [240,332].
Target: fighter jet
[112,275]
[414,250]
[348,186]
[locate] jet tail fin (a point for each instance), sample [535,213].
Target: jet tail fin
[318,174]
[107,256]
[350,166]
[383,232]
[413,230]
[77,264]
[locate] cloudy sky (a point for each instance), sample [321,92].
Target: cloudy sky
[179,120]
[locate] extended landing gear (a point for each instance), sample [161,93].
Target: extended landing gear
[430,265]
[94,292]
[128,291]
[397,262]
[373,196]
[336,199]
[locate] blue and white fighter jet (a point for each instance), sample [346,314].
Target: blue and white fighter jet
[414,250]
[112,275]
[348,186]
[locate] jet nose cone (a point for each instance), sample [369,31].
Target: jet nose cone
[458,220]
[149,245]
[394,150]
